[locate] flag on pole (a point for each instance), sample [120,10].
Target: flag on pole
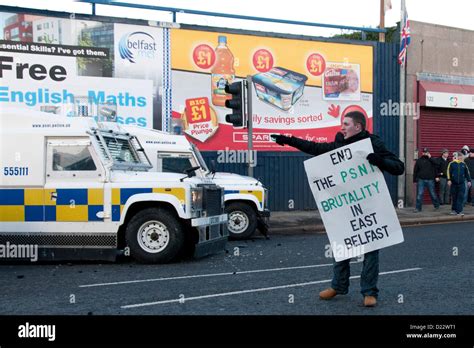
[404,40]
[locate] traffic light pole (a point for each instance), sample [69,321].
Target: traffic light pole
[248,94]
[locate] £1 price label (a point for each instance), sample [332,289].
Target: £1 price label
[262,60]
[197,110]
[204,56]
[316,64]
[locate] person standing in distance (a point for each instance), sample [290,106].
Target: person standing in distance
[352,130]
[458,178]
[442,163]
[470,166]
[465,154]
[425,173]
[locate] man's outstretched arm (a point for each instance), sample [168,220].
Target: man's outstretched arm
[309,147]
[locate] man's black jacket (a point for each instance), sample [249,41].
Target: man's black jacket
[470,165]
[390,163]
[425,168]
[442,167]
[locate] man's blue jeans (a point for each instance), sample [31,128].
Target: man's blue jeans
[421,188]
[443,191]
[368,277]
[466,192]
[457,192]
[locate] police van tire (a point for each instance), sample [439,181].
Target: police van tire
[242,220]
[154,235]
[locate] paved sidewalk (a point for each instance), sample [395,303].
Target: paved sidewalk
[286,222]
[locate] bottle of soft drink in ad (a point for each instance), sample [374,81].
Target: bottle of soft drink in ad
[222,72]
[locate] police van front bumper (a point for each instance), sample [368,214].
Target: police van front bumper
[213,234]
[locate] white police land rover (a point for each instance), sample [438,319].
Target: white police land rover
[246,199]
[77,188]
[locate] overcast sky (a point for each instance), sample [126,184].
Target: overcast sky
[360,13]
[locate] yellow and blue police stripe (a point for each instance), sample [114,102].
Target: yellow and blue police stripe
[69,204]
[121,195]
[257,193]
[51,204]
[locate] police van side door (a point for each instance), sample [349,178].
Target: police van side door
[74,189]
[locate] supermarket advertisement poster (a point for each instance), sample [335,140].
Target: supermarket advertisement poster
[300,88]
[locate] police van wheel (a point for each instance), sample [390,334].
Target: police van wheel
[242,220]
[154,235]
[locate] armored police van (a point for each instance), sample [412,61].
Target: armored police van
[81,189]
[246,199]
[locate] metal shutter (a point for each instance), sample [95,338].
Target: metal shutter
[439,128]
[444,128]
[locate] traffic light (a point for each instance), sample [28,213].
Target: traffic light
[237,104]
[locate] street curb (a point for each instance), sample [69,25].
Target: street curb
[319,228]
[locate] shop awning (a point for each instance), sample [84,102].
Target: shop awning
[444,95]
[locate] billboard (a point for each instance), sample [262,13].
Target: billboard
[300,87]
[76,67]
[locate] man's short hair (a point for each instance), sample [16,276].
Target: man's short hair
[357,117]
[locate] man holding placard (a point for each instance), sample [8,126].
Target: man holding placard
[351,195]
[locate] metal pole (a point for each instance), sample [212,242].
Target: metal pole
[250,124]
[402,120]
[382,20]
[224,15]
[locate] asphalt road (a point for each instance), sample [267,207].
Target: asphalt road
[430,273]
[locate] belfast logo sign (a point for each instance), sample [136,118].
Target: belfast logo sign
[137,45]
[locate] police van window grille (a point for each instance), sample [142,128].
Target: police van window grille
[139,150]
[102,149]
[121,150]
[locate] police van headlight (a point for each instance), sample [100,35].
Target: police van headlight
[265,198]
[196,198]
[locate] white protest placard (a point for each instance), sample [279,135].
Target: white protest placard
[353,200]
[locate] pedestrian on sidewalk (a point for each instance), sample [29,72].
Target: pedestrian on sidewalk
[470,166]
[458,174]
[465,153]
[442,163]
[352,130]
[425,175]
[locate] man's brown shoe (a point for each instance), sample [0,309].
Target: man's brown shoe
[327,294]
[370,301]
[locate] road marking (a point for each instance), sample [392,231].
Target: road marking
[208,275]
[240,292]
